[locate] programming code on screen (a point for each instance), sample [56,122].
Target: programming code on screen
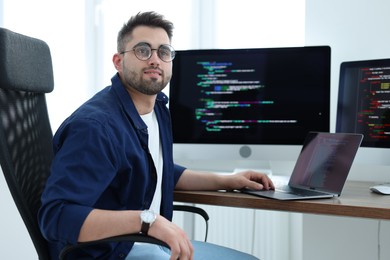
[250,96]
[325,168]
[230,95]
[364,101]
[326,160]
[374,108]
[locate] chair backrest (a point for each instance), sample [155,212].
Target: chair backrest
[26,74]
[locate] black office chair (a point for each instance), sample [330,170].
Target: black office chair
[26,75]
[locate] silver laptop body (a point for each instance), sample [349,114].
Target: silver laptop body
[321,168]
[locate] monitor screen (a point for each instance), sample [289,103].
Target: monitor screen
[364,107]
[364,101]
[249,97]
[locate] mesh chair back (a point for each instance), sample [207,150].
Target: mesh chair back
[26,74]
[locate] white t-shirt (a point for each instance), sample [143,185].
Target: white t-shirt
[156,152]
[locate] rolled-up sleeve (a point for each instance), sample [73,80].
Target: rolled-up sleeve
[178,172]
[82,169]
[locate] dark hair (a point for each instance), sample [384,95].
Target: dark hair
[151,19]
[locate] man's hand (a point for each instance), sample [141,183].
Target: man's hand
[174,236]
[248,179]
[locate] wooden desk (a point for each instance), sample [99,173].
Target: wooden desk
[355,201]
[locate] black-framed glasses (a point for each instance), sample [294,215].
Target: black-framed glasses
[143,51]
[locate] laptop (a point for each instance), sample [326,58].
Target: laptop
[321,169]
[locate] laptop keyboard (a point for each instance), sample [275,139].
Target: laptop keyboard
[299,192]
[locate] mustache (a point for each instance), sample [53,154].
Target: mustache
[153,68]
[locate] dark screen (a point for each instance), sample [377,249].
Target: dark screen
[250,96]
[364,101]
[325,161]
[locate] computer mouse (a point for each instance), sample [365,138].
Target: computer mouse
[381,189]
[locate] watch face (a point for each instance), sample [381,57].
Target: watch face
[148,216]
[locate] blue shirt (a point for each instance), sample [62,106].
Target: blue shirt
[102,161]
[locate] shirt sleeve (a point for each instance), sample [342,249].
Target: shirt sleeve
[178,169]
[85,164]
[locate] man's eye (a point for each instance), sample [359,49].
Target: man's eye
[165,53]
[143,50]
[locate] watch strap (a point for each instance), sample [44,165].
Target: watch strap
[145,228]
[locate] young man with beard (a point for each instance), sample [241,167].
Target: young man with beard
[113,171]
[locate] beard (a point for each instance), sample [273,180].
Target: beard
[148,87]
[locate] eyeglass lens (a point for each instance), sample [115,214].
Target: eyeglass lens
[164,52]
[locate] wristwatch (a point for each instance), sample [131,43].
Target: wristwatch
[147,219]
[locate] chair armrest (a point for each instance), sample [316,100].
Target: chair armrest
[192,209]
[196,210]
[137,237]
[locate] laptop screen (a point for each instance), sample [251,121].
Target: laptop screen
[325,161]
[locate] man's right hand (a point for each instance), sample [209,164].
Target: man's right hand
[174,236]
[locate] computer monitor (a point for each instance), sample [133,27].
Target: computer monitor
[243,108]
[364,107]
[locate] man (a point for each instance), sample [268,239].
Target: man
[113,157]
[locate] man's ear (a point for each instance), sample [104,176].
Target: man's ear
[117,60]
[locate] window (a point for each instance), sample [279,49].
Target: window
[258,24]
[61,25]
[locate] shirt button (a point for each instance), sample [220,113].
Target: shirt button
[121,255]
